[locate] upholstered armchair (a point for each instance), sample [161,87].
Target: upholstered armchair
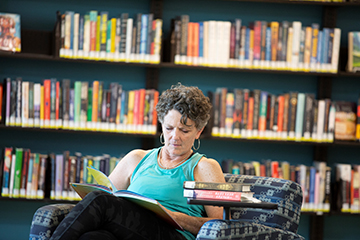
[245,223]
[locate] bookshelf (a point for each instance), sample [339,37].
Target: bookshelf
[40,60]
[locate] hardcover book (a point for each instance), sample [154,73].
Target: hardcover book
[235,187]
[105,184]
[354,52]
[10,34]
[218,195]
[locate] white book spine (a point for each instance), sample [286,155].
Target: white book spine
[296,45]
[129,27]
[335,51]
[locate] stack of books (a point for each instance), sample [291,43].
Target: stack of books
[212,191]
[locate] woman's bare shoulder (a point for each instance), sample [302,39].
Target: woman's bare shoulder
[208,169]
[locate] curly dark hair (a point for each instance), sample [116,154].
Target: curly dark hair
[189,101]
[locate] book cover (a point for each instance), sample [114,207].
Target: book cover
[6,172]
[105,184]
[17,172]
[345,121]
[217,195]
[234,187]
[354,52]
[10,35]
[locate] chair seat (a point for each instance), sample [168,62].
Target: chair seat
[237,230]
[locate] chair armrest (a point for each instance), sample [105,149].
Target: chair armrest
[238,230]
[46,219]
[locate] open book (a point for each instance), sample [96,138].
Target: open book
[105,184]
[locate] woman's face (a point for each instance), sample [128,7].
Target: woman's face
[179,138]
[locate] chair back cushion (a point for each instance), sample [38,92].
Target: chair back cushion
[287,194]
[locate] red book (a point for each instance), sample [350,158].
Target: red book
[280,113]
[136,108]
[216,195]
[195,45]
[47,100]
[57,101]
[274,169]
[250,113]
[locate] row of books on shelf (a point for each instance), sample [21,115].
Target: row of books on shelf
[79,106]
[258,114]
[97,36]
[35,176]
[260,45]
[319,193]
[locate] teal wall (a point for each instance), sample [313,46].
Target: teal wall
[15,216]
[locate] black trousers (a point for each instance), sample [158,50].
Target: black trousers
[106,217]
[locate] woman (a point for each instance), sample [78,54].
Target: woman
[158,173]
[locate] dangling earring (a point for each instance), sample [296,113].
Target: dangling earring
[197,146]
[162,141]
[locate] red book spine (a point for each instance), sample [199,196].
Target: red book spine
[136,107]
[47,87]
[250,113]
[213,195]
[57,100]
[281,101]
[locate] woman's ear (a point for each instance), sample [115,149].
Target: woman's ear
[199,133]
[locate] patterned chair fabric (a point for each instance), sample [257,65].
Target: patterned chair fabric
[253,223]
[46,219]
[246,223]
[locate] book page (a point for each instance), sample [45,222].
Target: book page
[101,178]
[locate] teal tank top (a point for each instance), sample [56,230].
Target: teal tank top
[166,185]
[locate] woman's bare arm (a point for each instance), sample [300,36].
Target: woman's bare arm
[207,170]
[122,173]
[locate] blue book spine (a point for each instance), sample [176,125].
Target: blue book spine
[319,47]
[71,105]
[122,110]
[144,33]
[325,43]
[30,169]
[312,185]
[81,32]
[247,43]
[315,38]
[300,115]
[85,170]
[268,44]
[201,39]
[330,45]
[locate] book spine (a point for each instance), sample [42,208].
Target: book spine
[263,113]
[17,172]
[299,116]
[292,114]
[213,195]
[229,114]
[6,172]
